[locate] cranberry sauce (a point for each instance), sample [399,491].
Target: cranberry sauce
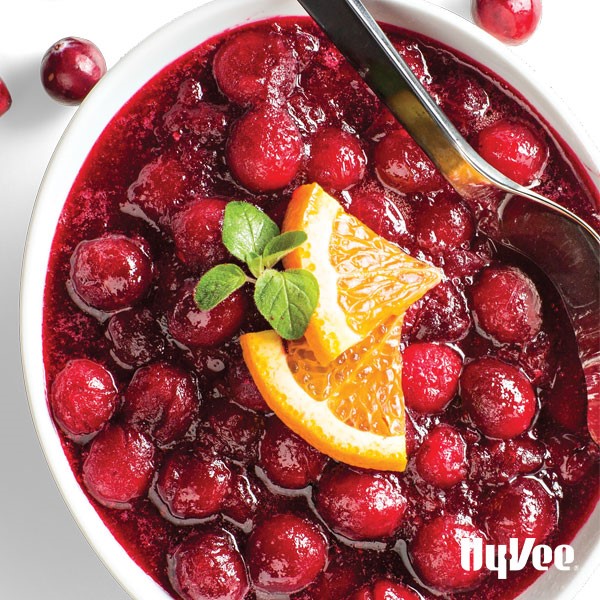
[162,424]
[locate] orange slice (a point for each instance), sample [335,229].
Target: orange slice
[351,409]
[363,279]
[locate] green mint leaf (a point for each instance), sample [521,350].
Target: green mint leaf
[255,264]
[217,284]
[247,230]
[287,299]
[281,245]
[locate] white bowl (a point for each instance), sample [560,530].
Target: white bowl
[129,75]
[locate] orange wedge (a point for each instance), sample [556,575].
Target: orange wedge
[351,409]
[363,279]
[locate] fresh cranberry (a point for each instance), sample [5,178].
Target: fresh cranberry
[110,273]
[515,149]
[119,466]
[71,68]
[412,55]
[441,459]
[511,21]
[242,388]
[254,66]
[444,224]
[83,398]
[136,337]
[360,505]
[337,160]
[264,149]
[161,400]
[159,190]
[208,566]
[436,550]
[498,397]
[5,98]
[285,553]
[402,165]
[193,486]
[194,327]
[521,509]
[507,305]
[287,459]
[430,376]
[385,589]
[197,234]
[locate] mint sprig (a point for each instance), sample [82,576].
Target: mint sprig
[287,299]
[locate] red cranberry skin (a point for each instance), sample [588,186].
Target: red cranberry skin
[161,401]
[287,459]
[521,509]
[507,305]
[193,487]
[243,390]
[5,98]
[83,399]
[285,554]
[119,466]
[499,398]
[511,21]
[191,326]
[197,233]
[430,376]
[264,150]
[385,589]
[208,566]
[136,337]
[402,165]
[442,457]
[254,66]
[360,505]
[337,160]
[110,273]
[515,149]
[435,554]
[71,68]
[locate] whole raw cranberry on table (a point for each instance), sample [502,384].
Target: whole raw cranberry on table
[511,21]
[5,98]
[71,68]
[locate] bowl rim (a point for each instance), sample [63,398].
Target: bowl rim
[145,60]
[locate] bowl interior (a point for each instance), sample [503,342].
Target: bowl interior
[130,74]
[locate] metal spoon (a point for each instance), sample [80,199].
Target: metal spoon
[563,245]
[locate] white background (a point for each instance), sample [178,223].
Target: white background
[42,553]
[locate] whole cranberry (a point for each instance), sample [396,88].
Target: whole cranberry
[521,509]
[436,550]
[507,305]
[161,400]
[430,376]
[385,589]
[511,21]
[254,66]
[242,388]
[285,553]
[499,398]
[192,326]
[5,98]
[136,337]
[193,486]
[119,466]
[71,68]
[264,149]
[246,496]
[197,234]
[337,160]
[515,149]
[208,566]
[402,165]
[360,505]
[110,273]
[83,398]
[441,460]
[287,459]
